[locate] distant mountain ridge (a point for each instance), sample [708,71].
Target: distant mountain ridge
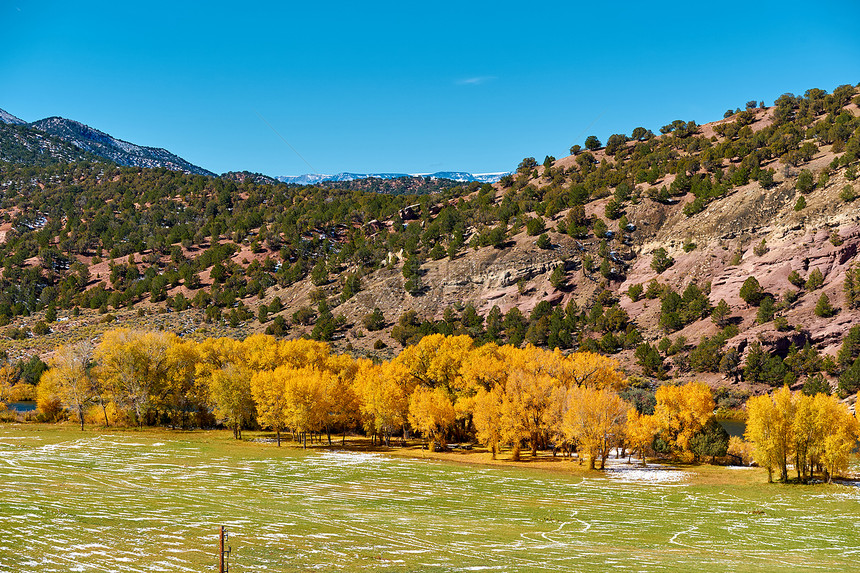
[27,142]
[6,117]
[120,152]
[461,176]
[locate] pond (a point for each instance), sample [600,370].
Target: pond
[734,427]
[26,406]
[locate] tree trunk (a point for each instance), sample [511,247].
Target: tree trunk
[305,440]
[343,441]
[81,416]
[278,433]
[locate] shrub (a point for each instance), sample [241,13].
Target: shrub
[543,242]
[815,280]
[847,194]
[661,260]
[805,181]
[635,292]
[534,226]
[751,292]
[800,204]
[374,321]
[760,249]
[823,308]
[796,279]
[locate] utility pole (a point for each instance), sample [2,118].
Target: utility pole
[223,554]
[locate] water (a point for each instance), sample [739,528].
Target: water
[734,427]
[25,406]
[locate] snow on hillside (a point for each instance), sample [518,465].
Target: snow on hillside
[7,117]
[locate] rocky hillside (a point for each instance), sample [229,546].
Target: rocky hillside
[725,252]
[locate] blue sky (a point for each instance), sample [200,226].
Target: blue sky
[408,87]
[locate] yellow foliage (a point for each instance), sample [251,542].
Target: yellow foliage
[436,360]
[48,401]
[640,431]
[743,450]
[383,395]
[431,412]
[681,412]
[595,419]
[487,416]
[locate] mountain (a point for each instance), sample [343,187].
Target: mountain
[727,252]
[6,117]
[23,145]
[115,150]
[459,176]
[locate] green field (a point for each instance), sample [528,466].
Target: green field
[152,501]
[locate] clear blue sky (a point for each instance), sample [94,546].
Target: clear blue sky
[400,86]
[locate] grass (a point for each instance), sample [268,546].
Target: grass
[152,500]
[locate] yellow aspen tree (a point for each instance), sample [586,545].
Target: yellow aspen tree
[48,401]
[525,411]
[484,368]
[769,428]
[269,389]
[431,412]
[230,394]
[592,370]
[262,352]
[72,377]
[383,391]
[640,431]
[595,419]
[839,433]
[436,360]
[307,398]
[136,365]
[7,380]
[805,434]
[682,411]
[343,402]
[303,353]
[185,393]
[487,416]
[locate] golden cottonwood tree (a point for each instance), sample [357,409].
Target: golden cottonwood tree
[431,412]
[595,419]
[230,394]
[71,377]
[640,431]
[528,398]
[769,427]
[682,411]
[436,360]
[487,416]
[136,364]
[383,393]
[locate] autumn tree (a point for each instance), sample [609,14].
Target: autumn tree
[769,428]
[136,365]
[431,412]
[71,375]
[230,393]
[640,432]
[595,419]
[682,412]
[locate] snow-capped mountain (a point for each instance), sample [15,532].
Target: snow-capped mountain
[461,176]
[6,117]
[116,150]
